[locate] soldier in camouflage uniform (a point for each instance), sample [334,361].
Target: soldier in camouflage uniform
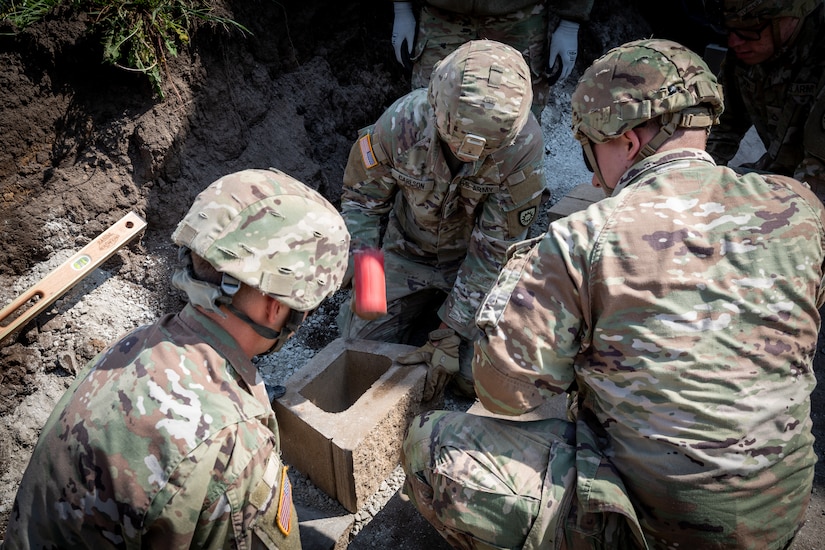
[774,79]
[167,439]
[443,25]
[455,174]
[683,311]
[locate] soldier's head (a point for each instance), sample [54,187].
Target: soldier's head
[644,91]
[758,30]
[265,232]
[481,95]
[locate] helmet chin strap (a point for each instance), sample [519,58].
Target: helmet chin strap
[211,297]
[290,327]
[693,117]
[699,116]
[280,336]
[780,47]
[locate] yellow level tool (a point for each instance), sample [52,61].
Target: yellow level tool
[55,284]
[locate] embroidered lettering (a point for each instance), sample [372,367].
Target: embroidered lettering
[411,182]
[479,187]
[803,89]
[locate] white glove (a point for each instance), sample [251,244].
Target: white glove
[403,28]
[563,44]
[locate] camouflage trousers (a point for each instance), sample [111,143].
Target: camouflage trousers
[490,483]
[441,32]
[415,292]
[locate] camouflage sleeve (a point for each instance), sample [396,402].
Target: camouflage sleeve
[534,322]
[815,201]
[211,494]
[572,10]
[368,191]
[724,139]
[503,220]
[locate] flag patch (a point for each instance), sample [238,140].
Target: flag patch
[285,503]
[367,154]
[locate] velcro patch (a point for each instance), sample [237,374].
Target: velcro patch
[367,154]
[285,503]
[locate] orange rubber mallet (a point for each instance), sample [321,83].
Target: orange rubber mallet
[370,285]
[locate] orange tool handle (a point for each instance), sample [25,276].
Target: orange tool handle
[370,285]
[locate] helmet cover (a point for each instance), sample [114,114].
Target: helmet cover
[640,81]
[752,13]
[272,232]
[481,95]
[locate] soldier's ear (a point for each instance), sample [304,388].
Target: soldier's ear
[273,309]
[633,141]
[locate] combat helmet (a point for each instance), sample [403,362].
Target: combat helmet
[749,18]
[737,14]
[269,231]
[640,81]
[481,96]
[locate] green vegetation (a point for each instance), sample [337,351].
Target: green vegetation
[135,35]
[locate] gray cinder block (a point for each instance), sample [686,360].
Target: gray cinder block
[344,415]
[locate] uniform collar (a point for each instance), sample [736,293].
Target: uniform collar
[659,162]
[437,160]
[219,339]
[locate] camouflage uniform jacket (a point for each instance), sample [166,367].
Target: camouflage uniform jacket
[572,10]
[397,173]
[166,440]
[684,310]
[784,99]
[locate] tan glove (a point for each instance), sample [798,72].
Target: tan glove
[440,353]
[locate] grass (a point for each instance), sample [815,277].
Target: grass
[135,35]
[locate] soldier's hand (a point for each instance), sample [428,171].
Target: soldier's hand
[565,45]
[403,31]
[440,354]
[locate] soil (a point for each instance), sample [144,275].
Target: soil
[83,143]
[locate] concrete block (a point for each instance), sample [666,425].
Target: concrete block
[579,198]
[344,415]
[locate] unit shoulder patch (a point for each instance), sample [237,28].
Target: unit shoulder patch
[526,216]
